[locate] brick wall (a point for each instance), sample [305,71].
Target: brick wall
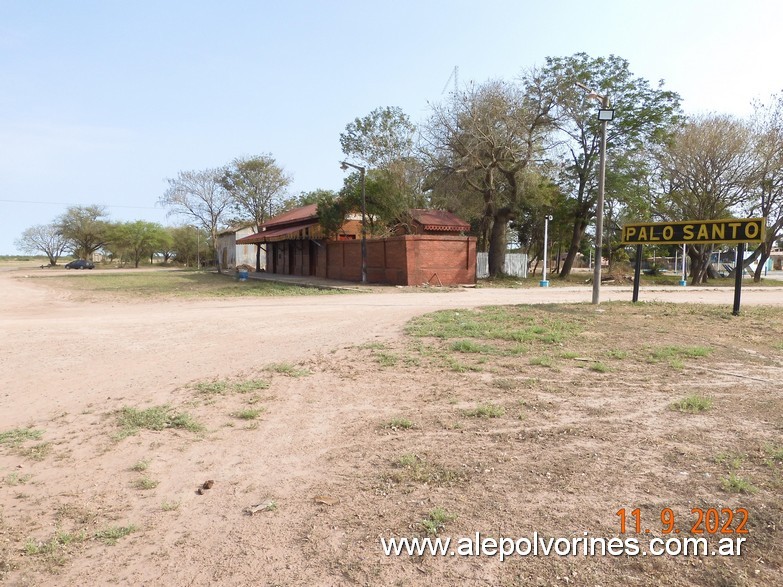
[405,260]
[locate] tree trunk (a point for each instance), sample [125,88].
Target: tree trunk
[576,238]
[497,242]
[700,263]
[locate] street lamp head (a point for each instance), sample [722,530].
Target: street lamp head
[343,165]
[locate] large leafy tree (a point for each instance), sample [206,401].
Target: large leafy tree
[483,142]
[137,240]
[645,114]
[201,197]
[257,188]
[383,143]
[707,170]
[383,137]
[86,228]
[44,238]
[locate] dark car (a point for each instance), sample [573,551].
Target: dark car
[80,264]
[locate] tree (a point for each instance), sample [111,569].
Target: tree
[186,243]
[767,192]
[383,137]
[201,196]
[44,238]
[383,143]
[86,229]
[645,115]
[257,186]
[707,172]
[137,240]
[484,139]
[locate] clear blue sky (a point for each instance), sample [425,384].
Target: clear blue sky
[101,101]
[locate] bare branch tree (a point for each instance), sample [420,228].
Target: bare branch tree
[200,196]
[44,238]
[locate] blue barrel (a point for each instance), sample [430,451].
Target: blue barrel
[243,275]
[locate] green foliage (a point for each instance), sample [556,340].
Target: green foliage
[17,436]
[85,228]
[398,424]
[137,240]
[382,137]
[256,186]
[693,404]
[436,520]
[486,411]
[110,536]
[736,484]
[131,420]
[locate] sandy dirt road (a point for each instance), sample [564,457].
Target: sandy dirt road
[56,354]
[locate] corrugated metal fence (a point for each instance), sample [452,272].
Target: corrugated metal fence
[516,265]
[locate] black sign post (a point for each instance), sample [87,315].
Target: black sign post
[738,277]
[637,272]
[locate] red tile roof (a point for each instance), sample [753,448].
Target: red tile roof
[265,235]
[439,220]
[301,214]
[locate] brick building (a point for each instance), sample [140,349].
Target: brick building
[436,252]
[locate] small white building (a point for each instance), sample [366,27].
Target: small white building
[232,255]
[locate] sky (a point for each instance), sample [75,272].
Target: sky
[102,101]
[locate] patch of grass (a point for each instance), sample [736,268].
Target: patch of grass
[617,354]
[672,353]
[50,547]
[249,414]
[131,420]
[486,411]
[223,386]
[692,404]
[505,384]
[543,362]
[436,520]
[736,484]
[250,385]
[181,284]
[211,387]
[17,436]
[775,452]
[733,460]
[16,479]
[37,452]
[398,424]
[386,359]
[145,483]
[509,323]
[412,468]
[170,506]
[287,369]
[140,466]
[110,536]
[373,346]
[569,355]
[599,367]
[469,346]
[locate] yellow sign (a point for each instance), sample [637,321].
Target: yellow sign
[695,232]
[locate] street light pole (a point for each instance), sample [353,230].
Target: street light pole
[605,114]
[345,165]
[544,282]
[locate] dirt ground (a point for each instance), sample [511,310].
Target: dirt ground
[328,467]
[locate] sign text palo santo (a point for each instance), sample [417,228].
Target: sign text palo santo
[695,232]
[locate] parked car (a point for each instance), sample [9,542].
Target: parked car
[80,264]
